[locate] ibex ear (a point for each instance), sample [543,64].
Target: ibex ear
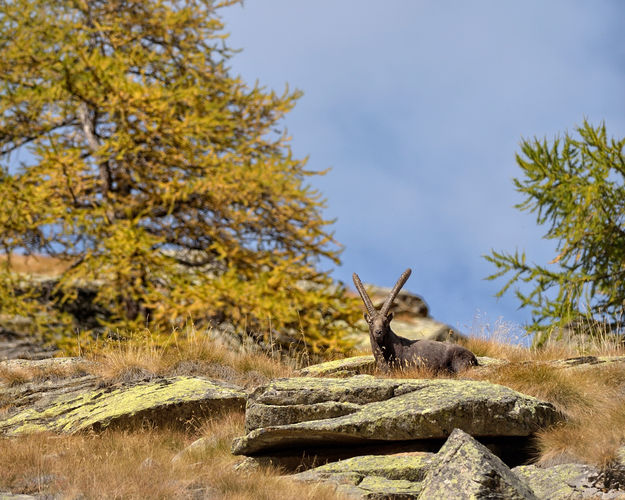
[389,317]
[367,318]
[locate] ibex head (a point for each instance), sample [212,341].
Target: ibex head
[379,321]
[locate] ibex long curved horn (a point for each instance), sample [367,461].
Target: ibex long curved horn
[363,294]
[391,296]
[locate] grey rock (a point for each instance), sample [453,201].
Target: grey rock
[466,469]
[373,476]
[364,365]
[297,412]
[158,401]
[566,481]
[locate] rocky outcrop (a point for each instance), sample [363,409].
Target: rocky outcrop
[358,365]
[78,405]
[300,412]
[462,469]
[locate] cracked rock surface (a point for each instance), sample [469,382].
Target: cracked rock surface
[82,406]
[297,412]
[462,469]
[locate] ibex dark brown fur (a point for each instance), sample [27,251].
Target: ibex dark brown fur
[392,351]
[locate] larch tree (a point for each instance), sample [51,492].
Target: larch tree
[130,151]
[576,186]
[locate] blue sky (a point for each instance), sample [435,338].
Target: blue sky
[419,108]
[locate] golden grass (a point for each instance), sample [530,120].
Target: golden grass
[36,264]
[592,398]
[137,465]
[15,375]
[188,352]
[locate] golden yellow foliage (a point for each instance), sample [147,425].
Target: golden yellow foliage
[161,177]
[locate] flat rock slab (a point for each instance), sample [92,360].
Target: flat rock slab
[363,365]
[373,476]
[161,400]
[299,412]
[65,363]
[356,365]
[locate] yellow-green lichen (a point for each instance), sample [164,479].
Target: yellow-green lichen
[404,466]
[392,410]
[356,364]
[559,482]
[175,398]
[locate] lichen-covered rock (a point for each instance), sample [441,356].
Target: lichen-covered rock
[297,412]
[49,364]
[587,361]
[373,476]
[401,466]
[464,468]
[566,481]
[356,365]
[39,393]
[363,365]
[161,400]
[376,487]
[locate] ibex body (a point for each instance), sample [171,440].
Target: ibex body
[392,351]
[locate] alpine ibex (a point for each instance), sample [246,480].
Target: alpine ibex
[392,351]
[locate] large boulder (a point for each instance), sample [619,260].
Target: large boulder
[465,469]
[299,412]
[462,469]
[160,400]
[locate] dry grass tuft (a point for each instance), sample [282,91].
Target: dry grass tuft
[593,437]
[191,353]
[138,465]
[592,398]
[568,391]
[417,371]
[20,374]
